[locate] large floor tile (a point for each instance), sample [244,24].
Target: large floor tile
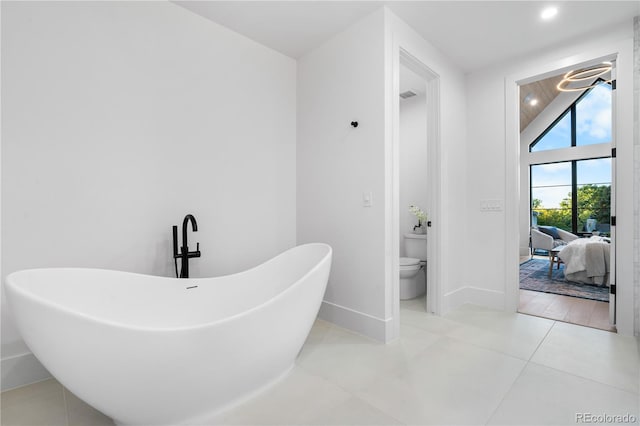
[82,414]
[353,411]
[429,322]
[510,333]
[544,396]
[413,340]
[451,382]
[295,400]
[318,332]
[353,362]
[490,319]
[593,354]
[41,403]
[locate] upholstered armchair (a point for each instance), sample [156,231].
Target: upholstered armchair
[548,237]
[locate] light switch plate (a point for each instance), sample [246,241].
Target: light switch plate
[491,205]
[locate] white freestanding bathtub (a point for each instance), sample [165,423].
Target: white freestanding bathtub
[152,350]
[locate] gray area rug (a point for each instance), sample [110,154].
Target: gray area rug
[534,275]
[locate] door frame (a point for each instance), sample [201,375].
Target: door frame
[621,52]
[434,196]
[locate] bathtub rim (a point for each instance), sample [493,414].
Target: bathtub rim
[59,307]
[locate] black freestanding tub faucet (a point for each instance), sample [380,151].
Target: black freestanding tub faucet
[184,254]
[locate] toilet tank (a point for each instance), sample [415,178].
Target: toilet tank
[415,245]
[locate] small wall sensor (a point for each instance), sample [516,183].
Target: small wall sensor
[367,199]
[407,94]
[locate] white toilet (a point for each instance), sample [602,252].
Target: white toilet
[413,283]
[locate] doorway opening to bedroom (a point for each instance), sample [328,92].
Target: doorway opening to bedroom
[567,163]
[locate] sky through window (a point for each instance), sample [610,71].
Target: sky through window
[593,123]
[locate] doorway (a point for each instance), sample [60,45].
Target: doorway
[430,85]
[567,205]
[413,189]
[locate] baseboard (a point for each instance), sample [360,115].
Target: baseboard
[368,325]
[21,370]
[478,296]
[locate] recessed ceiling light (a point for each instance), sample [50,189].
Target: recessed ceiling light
[549,13]
[529,99]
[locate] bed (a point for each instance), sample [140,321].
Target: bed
[587,260]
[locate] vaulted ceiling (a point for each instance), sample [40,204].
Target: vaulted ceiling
[543,91]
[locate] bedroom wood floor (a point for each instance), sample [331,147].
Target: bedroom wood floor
[589,313]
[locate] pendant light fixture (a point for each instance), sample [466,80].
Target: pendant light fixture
[579,79]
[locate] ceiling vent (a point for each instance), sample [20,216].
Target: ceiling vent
[407,94]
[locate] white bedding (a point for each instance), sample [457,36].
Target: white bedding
[587,260]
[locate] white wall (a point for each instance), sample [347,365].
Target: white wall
[448,214]
[119,119]
[341,81]
[413,162]
[489,168]
[485,181]
[351,77]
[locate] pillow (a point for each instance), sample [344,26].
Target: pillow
[550,230]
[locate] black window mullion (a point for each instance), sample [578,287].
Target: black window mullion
[530,195]
[574,133]
[574,174]
[574,197]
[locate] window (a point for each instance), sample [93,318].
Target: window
[593,186]
[586,122]
[552,200]
[575,195]
[551,189]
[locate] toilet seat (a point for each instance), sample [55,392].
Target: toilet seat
[409,263]
[412,283]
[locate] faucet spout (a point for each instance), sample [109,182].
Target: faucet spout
[194,226]
[185,254]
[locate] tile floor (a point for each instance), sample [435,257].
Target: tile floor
[473,366]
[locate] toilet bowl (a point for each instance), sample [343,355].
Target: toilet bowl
[412,284]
